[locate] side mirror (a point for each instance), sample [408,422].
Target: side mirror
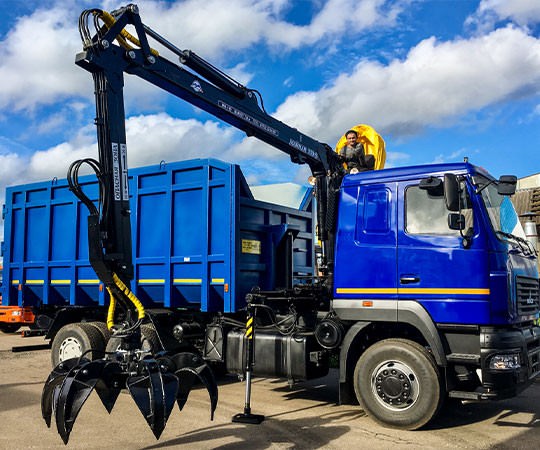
[507,185]
[456,221]
[433,186]
[451,192]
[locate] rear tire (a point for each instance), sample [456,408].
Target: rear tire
[102,328]
[74,340]
[398,384]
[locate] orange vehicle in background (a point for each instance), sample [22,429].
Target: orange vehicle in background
[12,318]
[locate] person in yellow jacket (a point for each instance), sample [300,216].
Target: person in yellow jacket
[372,143]
[354,156]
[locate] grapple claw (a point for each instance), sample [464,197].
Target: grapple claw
[154,392]
[49,396]
[75,389]
[155,384]
[109,385]
[189,368]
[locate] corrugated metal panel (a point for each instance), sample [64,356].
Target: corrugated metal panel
[200,240]
[527,201]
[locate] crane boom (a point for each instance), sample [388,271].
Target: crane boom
[204,86]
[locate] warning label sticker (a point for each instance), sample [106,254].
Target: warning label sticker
[251,246]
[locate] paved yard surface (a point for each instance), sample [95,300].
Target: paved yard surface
[304,417]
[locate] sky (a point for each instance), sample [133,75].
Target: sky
[440,80]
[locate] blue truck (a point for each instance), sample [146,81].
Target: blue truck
[424,287]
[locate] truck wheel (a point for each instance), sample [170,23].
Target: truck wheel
[149,340]
[102,328]
[74,340]
[9,327]
[398,384]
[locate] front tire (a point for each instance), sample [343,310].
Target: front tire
[398,384]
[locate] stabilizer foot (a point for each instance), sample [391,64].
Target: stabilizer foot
[247,417]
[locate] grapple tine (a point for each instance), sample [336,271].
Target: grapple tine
[52,387]
[186,378]
[190,367]
[77,386]
[154,392]
[110,385]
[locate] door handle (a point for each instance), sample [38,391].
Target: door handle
[409,280]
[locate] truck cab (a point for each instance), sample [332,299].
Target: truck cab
[456,276]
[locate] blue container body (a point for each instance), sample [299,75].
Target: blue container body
[200,240]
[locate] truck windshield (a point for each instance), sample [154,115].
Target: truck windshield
[503,216]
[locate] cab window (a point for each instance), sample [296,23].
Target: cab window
[426,213]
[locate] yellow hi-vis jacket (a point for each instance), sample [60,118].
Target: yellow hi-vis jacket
[371,140]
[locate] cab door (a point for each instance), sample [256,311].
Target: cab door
[434,267]
[366,248]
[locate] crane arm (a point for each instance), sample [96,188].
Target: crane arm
[109,51]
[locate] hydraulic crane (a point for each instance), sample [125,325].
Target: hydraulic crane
[156,381]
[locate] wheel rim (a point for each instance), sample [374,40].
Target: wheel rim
[395,385]
[70,348]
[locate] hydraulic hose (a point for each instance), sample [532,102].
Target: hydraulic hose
[129,294]
[109,21]
[119,284]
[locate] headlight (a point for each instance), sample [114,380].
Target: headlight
[505,362]
[16,313]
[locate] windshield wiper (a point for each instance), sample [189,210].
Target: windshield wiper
[522,243]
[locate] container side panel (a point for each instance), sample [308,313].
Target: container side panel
[82,244]
[263,247]
[37,231]
[189,229]
[17,236]
[153,215]
[194,175]
[37,195]
[60,284]
[88,289]
[62,193]
[18,197]
[219,235]
[35,283]
[217,174]
[152,180]
[187,284]
[63,232]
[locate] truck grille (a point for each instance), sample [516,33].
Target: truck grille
[528,300]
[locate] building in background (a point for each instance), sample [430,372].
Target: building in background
[527,203]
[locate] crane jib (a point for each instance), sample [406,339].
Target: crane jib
[247,118]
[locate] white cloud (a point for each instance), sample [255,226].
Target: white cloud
[209,28]
[522,12]
[37,55]
[394,159]
[150,139]
[454,156]
[435,84]
[35,66]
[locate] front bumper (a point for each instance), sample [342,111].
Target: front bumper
[524,343]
